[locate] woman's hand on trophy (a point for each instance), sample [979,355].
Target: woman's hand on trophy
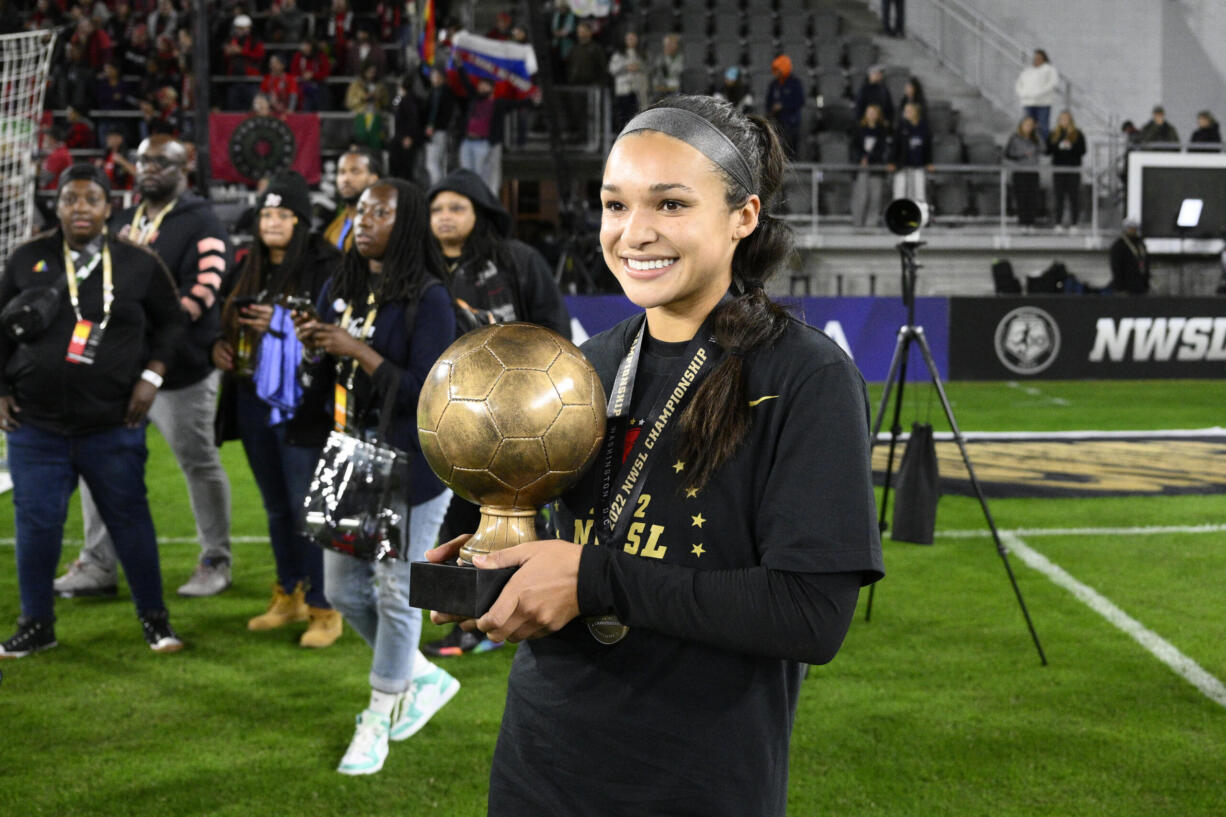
[540,598]
[448,552]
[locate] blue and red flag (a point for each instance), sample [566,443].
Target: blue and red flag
[496,60]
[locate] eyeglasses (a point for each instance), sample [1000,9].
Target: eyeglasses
[161,162]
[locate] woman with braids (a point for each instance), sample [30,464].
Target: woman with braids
[384,318]
[727,524]
[282,441]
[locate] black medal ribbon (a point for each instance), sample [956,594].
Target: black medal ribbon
[618,490]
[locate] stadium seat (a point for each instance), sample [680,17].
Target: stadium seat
[861,53]
[982,149]
[950,195]
[694,81]
[831,85]
[941,116]
[838,116]
[946,149]
[834,148]
[896,78]
[828,22]
[985,197]
[798,194]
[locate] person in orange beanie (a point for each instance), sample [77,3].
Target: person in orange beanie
[785,96]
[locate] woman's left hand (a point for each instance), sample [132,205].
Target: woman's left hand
[256,316]
[138,406]
[329,338]
[540,598]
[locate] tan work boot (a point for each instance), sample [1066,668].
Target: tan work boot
[324,629]
[285,608]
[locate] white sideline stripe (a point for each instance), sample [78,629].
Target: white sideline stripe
[1212,433]
[984,533]
[1160,648]
[9,541]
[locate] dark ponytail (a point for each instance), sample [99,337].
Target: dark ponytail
[717,418]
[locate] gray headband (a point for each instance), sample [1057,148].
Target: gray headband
[699,134]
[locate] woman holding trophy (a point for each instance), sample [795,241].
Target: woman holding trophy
[727,523]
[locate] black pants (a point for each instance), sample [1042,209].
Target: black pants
[1067,186]
[900,14]
[1026,196]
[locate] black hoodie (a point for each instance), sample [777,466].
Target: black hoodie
[521,288]
[195,247]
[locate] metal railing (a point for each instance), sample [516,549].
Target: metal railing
[990,59]
[819,196]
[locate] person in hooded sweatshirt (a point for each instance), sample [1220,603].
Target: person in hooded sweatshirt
[494,279]
[785,96]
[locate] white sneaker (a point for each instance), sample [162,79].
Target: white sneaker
[209,579]
[426,695]
[368,749]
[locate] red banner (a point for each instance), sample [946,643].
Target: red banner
[244,148]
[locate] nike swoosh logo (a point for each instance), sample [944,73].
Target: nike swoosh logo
[753,403]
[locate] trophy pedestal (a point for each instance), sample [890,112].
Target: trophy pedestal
[454,588]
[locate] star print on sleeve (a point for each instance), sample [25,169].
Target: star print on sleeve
[697,521]
[678,466]
[691,493]
[697,550]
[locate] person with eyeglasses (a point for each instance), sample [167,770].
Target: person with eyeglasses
[182,230]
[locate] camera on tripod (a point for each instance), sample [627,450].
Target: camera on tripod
[906,217]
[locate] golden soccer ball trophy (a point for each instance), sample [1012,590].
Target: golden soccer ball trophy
[510,416]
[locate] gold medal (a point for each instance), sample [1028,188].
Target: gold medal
[607,629]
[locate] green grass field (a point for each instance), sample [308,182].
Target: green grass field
[937,706]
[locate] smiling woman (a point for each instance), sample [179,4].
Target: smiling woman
[731,502]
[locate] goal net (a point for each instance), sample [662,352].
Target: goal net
[24,61]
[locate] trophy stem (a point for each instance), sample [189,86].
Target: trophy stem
[500,528]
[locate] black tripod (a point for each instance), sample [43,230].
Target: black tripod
[908,334]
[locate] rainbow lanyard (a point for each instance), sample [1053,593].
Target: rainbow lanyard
[108,282]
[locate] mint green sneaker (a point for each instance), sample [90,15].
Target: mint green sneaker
[426,695]
[368,749]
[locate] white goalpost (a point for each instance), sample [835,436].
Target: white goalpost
[25,59]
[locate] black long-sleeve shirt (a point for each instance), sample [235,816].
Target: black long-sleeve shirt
[146,324]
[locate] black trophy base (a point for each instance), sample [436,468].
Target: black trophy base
[455,589]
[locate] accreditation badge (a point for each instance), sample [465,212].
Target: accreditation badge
[83,345]
[340,408]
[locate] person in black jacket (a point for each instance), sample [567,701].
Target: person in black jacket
[703,557]
[911,155]
[495,279]
[187,236]
[74,400]
[1129,261]
[405,148]
[437,115]
[383,320]
[1066,145]
[870,148]
[282,439]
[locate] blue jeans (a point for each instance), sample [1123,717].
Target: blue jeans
[283,473]
[1041,114]
[475,156]
[45,467]
[374,598]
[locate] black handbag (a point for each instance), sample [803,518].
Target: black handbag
[349,506]
[919,489]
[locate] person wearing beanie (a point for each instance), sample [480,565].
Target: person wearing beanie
[75,393]
[785,96]
[494,279]
[183,231]
[282,433]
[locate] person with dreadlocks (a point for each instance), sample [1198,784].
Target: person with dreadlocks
[282,434]
[731,500]
[384,318]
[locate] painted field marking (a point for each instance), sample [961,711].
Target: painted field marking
[1160,648]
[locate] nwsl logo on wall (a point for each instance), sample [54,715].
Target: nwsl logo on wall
[1159,339]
